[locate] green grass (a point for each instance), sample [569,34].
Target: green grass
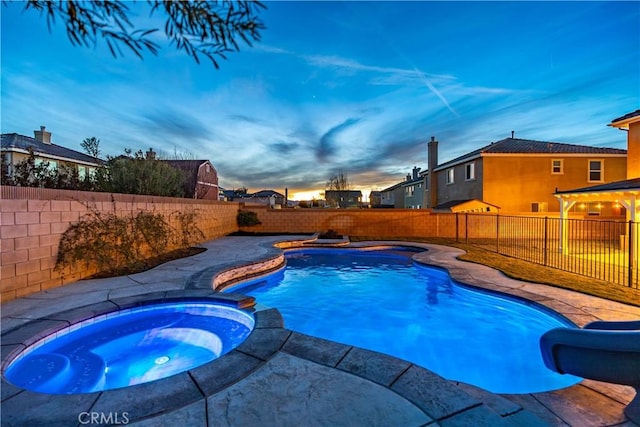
[535,273]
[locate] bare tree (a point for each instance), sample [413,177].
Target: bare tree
[199,28]
[337,189]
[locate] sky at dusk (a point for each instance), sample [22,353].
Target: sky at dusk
[358,87]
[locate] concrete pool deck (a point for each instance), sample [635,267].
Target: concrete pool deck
[283,378]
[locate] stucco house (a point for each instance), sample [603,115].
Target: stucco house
[269,197]
[343,198]
[392,197]
[15,148]
[414,189]
[521,175]
[201,178]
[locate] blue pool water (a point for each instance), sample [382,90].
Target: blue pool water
[130,347]
[383,301]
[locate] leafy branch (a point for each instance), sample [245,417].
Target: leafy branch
[199,28]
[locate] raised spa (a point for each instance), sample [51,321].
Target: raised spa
[129,347]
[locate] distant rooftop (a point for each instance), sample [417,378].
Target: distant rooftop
[15,142]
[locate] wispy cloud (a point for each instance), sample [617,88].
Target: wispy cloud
[350,64]
[327,144]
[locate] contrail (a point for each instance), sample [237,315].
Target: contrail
[435,91]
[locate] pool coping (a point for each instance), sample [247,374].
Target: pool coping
[270,338]
[183,390]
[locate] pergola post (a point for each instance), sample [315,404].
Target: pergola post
[633,210]
[565,205]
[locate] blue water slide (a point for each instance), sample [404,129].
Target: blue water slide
[601,351]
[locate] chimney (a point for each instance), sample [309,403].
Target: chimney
[151,154]
[432,182]
[408,177]
[42,135]
[513,134]
[415,172]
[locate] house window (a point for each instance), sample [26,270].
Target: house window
[51,164]
[450,176]
[470,171]
[82,172]
[556,167]
[595,171]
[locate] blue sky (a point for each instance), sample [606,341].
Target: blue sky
[353,86]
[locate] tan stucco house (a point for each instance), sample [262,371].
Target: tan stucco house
[521,175]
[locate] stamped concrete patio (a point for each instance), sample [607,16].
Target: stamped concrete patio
[282,378]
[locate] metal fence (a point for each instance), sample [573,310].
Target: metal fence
[601,249]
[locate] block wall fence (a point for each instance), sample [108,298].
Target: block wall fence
[379,223]
[33,220]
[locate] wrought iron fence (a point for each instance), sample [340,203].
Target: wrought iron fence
[601,249]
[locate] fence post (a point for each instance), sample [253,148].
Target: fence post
[466,228]
[546,241]
[457,229]
[631,255]
[498,233]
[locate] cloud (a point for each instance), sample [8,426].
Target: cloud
[167,122]
[338,62]
[327,145]
[283,147]
[245,118]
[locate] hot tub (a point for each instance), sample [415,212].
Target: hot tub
[129,347]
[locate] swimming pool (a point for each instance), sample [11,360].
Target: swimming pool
[128,347]
[383,301]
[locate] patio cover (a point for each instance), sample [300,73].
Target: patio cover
[626,192]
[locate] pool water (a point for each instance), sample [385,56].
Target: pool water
[381,300]
[130,347]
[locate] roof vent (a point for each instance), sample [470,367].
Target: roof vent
[512,134]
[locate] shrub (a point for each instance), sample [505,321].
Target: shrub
[112,243]
[247,219]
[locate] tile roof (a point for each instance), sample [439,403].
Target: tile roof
[393,187]
[21,142]
[528,146]
[626,116]
[627,184]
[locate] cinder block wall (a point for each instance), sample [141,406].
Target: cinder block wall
[380,223]
[32,221]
